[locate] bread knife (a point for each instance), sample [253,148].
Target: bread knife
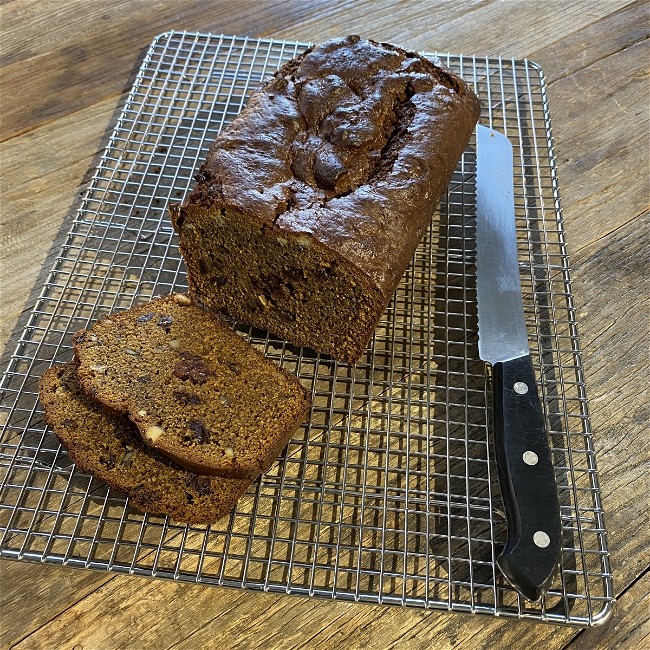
[531,554]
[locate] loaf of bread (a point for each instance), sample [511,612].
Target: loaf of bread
[196,391]
[109,448]
[310,205]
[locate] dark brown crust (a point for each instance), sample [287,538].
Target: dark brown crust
[109,448]
[412,135]
[351,145]
[176,370]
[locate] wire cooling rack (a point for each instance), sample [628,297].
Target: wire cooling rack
[389,494]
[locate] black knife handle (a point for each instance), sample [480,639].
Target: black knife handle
[534,541]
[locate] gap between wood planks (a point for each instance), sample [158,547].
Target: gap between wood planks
[577,251]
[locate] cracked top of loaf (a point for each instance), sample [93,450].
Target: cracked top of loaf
[352,142]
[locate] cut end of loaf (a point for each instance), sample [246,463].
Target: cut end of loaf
[280,281]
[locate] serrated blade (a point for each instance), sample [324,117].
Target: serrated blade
[501,324]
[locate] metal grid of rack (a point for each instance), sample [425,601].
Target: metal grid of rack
[389,494]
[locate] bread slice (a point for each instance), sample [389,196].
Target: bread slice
[195,390]
[109,448]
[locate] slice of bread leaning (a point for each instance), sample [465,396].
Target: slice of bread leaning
[195,390]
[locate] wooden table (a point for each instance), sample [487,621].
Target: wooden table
[65,67]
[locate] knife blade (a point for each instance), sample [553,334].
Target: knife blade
[533,545]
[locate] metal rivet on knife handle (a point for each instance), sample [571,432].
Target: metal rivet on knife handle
[530,458]
[541,539]
[520,388]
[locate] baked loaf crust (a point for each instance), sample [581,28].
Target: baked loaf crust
[310,205]
[195,390]
[109,447]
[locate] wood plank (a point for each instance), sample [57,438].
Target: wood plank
[223,612]
[596,149]
[629,627]
[376,20]
[529,26]
[33,594]
[582,48]
[617,333]
[34,28]
[64,78]
[65,60]
[67,73]
[153,614]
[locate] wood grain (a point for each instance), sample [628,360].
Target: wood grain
[90,48]
[469,27]
[615,194]
[583,47]
[48,592]
[94,56]
[620,405]
[64,68]
[270,621]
